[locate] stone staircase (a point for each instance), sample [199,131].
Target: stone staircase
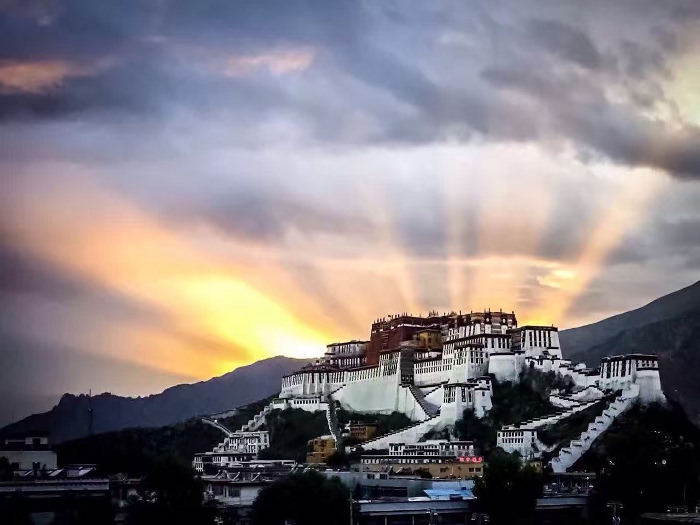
[590,393]
[560,414]
[428,408]
[214,423]
[409,434]
[332,418]
[258,420]
[571,453]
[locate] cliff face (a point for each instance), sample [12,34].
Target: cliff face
[668,327]
[70,418]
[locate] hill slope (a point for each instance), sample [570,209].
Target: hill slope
[70,418]
[577,341]
[668,327]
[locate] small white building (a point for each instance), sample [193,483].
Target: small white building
[521,440]
[619,372]
[436,447]
[250,442]
[28,451]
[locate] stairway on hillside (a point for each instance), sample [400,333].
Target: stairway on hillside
[429,408]
[409,434]
[258,420]
[332,418]
[571,453]
[589,393]
[557,416]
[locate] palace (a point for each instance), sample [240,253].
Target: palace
[434,368]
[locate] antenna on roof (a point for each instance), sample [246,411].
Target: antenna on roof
[90,429]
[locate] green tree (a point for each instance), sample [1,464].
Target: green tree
[173,496]
[305,499]
[648,459]
[6,472]
[508,491]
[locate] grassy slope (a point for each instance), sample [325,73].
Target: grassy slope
[134,451]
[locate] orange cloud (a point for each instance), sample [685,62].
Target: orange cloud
[216,320]
[276,62]
[42,75]
[628,206]
[33,77]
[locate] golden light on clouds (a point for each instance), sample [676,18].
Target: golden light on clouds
[42,75]
[276,62]
[33,77]
[628,207]
[213,301]
[202,301]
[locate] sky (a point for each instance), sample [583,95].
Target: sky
[188,187]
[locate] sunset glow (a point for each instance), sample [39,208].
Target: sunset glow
[187,190]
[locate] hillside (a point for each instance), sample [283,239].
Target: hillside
[576,342]
[69,419]
[668,327]
[648,459]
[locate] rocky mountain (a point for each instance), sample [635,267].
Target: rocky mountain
[668,327]
[70,418]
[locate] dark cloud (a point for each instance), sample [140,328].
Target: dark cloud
[268,218]
[565,41]
[22,273]
[148,58]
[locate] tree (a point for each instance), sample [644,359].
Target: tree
[6,472]
[339,459]
[305,499]
[648,459]
[173,496]
[508,491]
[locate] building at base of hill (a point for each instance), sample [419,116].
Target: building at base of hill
[319,449]
[236,486]
[433,459]
[28,451]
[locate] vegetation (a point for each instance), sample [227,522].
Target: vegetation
[173,496]
[6,472]
[512,403]
[290,431]
[135,451]
[648,459]
[508,491]
[308,498]
[571,427]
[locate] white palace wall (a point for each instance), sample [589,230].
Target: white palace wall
[375,394]
[425,383]
[503,366]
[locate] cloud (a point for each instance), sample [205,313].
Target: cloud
[34,77]
[569,43]
[392,94]
[277,63]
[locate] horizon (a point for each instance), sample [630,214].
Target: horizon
[189,189]
[77,394]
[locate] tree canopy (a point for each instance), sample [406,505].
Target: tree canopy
[648,459]
[308,498]
[508,491]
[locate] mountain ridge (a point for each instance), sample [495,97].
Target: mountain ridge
[668,327]
[69,418]
[576,340]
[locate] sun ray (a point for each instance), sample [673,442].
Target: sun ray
[563,285]
[128,253]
